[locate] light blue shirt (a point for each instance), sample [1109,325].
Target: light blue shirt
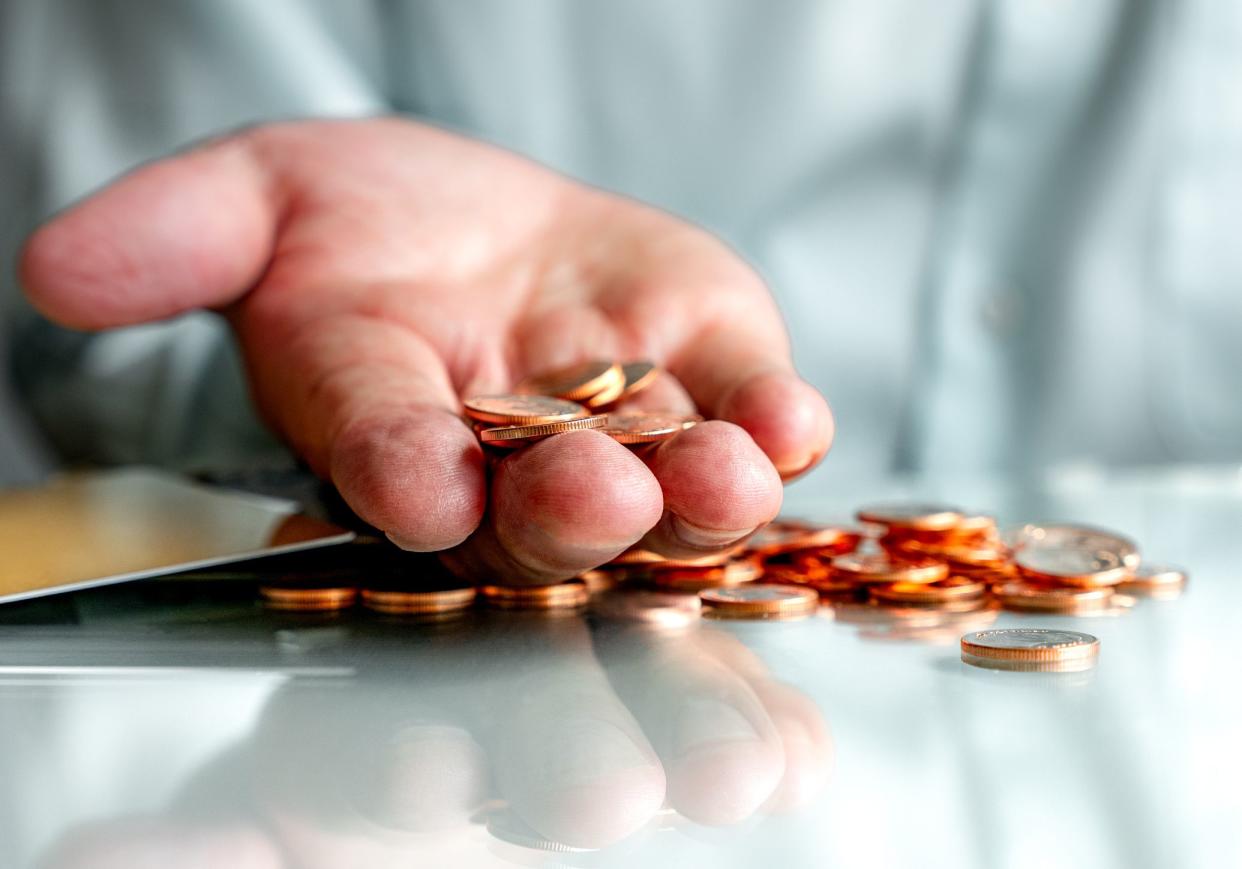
[1003,234]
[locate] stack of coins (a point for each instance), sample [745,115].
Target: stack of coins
[303,597]
[903,571]
[922,571]
[917,555]
[579,396]
[562,596]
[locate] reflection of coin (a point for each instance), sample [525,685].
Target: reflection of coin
[759,601]
[507,827]
[578,381]
[411,601]
[308,598]
[1025,596]
[879,567]
[521,409]
[955,588]
[512,433]
[854,613]
[1028,645]
[666,610]
[564,595]
[921,517]
[645,428]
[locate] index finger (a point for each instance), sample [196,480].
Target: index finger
[709,317]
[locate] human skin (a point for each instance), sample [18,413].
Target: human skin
[375,272]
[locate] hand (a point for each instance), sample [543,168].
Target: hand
[375,272]
[584,739]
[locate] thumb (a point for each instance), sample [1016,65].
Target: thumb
[191,231]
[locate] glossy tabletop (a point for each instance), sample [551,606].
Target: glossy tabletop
[179,724]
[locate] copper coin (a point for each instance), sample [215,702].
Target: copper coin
[690,579]
[858,613]
[645,428]
[599,579]
[759,601]
[918,517]
[975,524]
[812,563]
[521,409]
[564,595]
[880,567]
[638,376]
[971,529]
[955,588]
[607,396]
[1157,581]
[1153,576]
[638,556]
[578,381]
[394,601]
[958,554]
[832,586]
[660,609]
[534,432]
[1026,596]
[784,536]
[307,598]
[1042,645]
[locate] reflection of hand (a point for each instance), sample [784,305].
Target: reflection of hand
[376,271]
[531,712]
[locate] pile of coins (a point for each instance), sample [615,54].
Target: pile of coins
[909,571]
[577,397]
[902,571]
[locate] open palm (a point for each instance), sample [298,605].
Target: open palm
[378,271]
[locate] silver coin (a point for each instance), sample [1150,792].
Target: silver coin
[1056,561]
[1070,550]
[1073,536]
[1028,638]
[507,827]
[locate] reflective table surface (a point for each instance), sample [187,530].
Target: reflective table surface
[179,724]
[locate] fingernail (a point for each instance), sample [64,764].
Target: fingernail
[588,751]
[428,777]
[790,470]
[705,721]
[696,537]
[405,543]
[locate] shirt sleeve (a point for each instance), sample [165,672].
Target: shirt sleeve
[90,90]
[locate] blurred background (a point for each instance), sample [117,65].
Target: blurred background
[1002,233]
